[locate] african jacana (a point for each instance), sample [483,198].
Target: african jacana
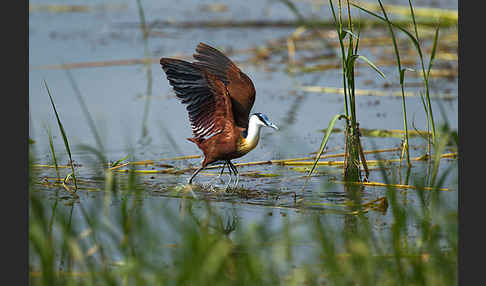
[219,97]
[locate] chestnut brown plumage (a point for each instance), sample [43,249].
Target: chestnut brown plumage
[218,98]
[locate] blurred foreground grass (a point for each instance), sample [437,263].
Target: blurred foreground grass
[116,239]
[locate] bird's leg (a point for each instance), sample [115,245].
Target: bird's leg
[235,171]
[220,174]
[229,170]
[193,175]
[222,170]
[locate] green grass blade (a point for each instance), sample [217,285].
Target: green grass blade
[412,13]
[423,102]
[63,133]
[119,161]
[343,56]
[402,74]
[428,121]
[51,147]
[402,80]
[346,31]
[323,145]
[353,58]
[434,50]
[357,37]
[412,37]
[428,110]
[400,70]
[372,65]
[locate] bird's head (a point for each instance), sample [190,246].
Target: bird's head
[261,119]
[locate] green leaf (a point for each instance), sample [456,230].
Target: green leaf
[402,74]
[353,58]
[434,49]
[63,133]
[323,145]
[414,40]
[119,161]
[346,31]
[53,153]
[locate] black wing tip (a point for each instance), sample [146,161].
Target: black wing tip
[166,61]
[200,49]
[172,61]
[203,45]
[205,49]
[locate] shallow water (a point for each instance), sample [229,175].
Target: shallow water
[116,96]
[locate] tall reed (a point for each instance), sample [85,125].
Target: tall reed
[425,73]
[352,138]
[401,72]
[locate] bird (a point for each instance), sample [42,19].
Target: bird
[218,97]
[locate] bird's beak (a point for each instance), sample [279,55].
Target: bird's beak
[273,126]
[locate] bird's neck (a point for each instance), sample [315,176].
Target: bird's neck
[253,134]
[250,141]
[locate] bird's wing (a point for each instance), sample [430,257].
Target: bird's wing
[240,87]
[206,97]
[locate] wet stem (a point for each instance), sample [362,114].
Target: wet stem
[145,34]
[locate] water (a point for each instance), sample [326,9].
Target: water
[115,97]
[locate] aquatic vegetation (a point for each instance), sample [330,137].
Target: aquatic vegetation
[425,74]
[123,243]
[66,143]
[294,219]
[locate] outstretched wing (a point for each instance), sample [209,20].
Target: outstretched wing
[240,87]
[208,104]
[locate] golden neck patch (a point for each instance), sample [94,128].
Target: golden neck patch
[245,145]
